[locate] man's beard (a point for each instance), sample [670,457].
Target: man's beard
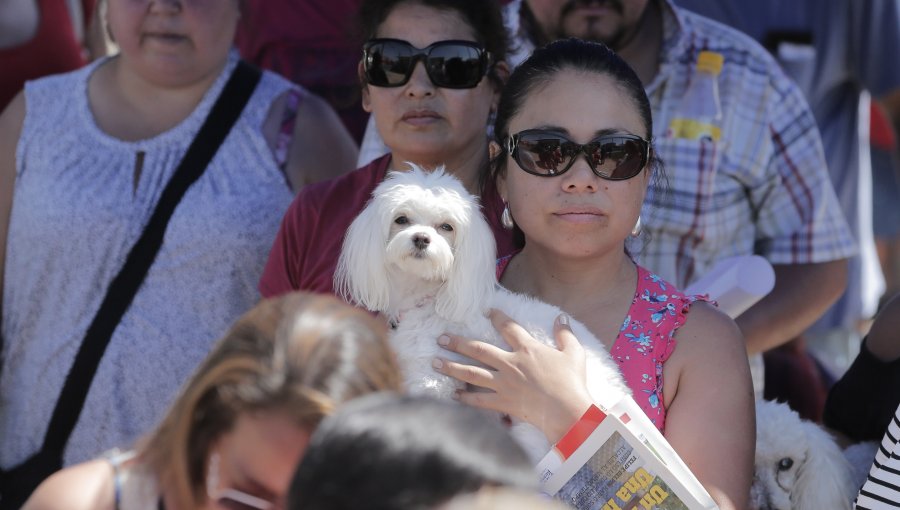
[590,31]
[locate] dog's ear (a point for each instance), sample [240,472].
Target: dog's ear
[361,275]
[825,479]
[471,283]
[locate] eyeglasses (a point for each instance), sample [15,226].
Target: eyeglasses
[449,64]
[611,157]
[232,499]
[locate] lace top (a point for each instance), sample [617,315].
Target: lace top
[646,338]
[81,200]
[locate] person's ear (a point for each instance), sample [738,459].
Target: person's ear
[494,150]
[364,88]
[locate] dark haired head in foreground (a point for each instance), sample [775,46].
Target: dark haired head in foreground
[387,451]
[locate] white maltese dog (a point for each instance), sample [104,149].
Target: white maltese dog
[798,464]
[422,254]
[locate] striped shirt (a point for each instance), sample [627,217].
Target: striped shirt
[762,188]
[882,487]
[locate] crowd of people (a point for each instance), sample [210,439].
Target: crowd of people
[171,219]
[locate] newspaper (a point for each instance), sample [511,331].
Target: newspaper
[623,463]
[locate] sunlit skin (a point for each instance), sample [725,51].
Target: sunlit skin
[174,42]
[170,54]
[576,214]
[420,122]
[172,51]
[259,455]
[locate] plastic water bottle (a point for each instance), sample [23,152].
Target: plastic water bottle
[699,115]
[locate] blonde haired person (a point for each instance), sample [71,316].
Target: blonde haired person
[240,425]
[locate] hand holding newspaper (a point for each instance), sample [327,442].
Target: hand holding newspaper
[616,460]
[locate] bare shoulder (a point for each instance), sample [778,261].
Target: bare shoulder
[322,147]
[83,486]
[706,326]
[11,121]
[709,402]
[709,343]
[311,104]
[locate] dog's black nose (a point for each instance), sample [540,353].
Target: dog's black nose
[421,241]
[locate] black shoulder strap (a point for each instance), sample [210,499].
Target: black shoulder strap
[124,286]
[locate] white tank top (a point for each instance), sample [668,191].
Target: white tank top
[77,210]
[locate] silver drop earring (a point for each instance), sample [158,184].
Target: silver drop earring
[506,218]
[636,230]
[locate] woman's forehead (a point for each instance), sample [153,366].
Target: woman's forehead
[580,102]
[422,25]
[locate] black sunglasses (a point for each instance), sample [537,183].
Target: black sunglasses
[449,64]
[546,153]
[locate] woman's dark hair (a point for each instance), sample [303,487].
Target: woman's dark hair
[483,16]
[570,55]
[393,452]
[564,55]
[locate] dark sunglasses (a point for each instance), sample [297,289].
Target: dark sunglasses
[449,64]
[611,157]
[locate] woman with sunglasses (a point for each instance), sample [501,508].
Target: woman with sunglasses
[573,160]
[431,74]
[235,434]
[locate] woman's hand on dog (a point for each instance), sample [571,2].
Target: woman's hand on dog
[534,382]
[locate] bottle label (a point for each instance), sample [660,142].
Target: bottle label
[692,129]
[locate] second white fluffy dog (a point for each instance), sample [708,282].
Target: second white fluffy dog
[422,254]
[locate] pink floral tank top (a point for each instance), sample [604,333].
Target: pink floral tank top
[646,338]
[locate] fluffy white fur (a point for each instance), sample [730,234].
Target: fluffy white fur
[798,464]
[422,253]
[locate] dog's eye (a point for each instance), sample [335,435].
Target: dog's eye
[448,227]
[785,464]
[401,220]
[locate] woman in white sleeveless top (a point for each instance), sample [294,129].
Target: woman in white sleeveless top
[84,158]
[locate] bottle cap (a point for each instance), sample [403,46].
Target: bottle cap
[710,61]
